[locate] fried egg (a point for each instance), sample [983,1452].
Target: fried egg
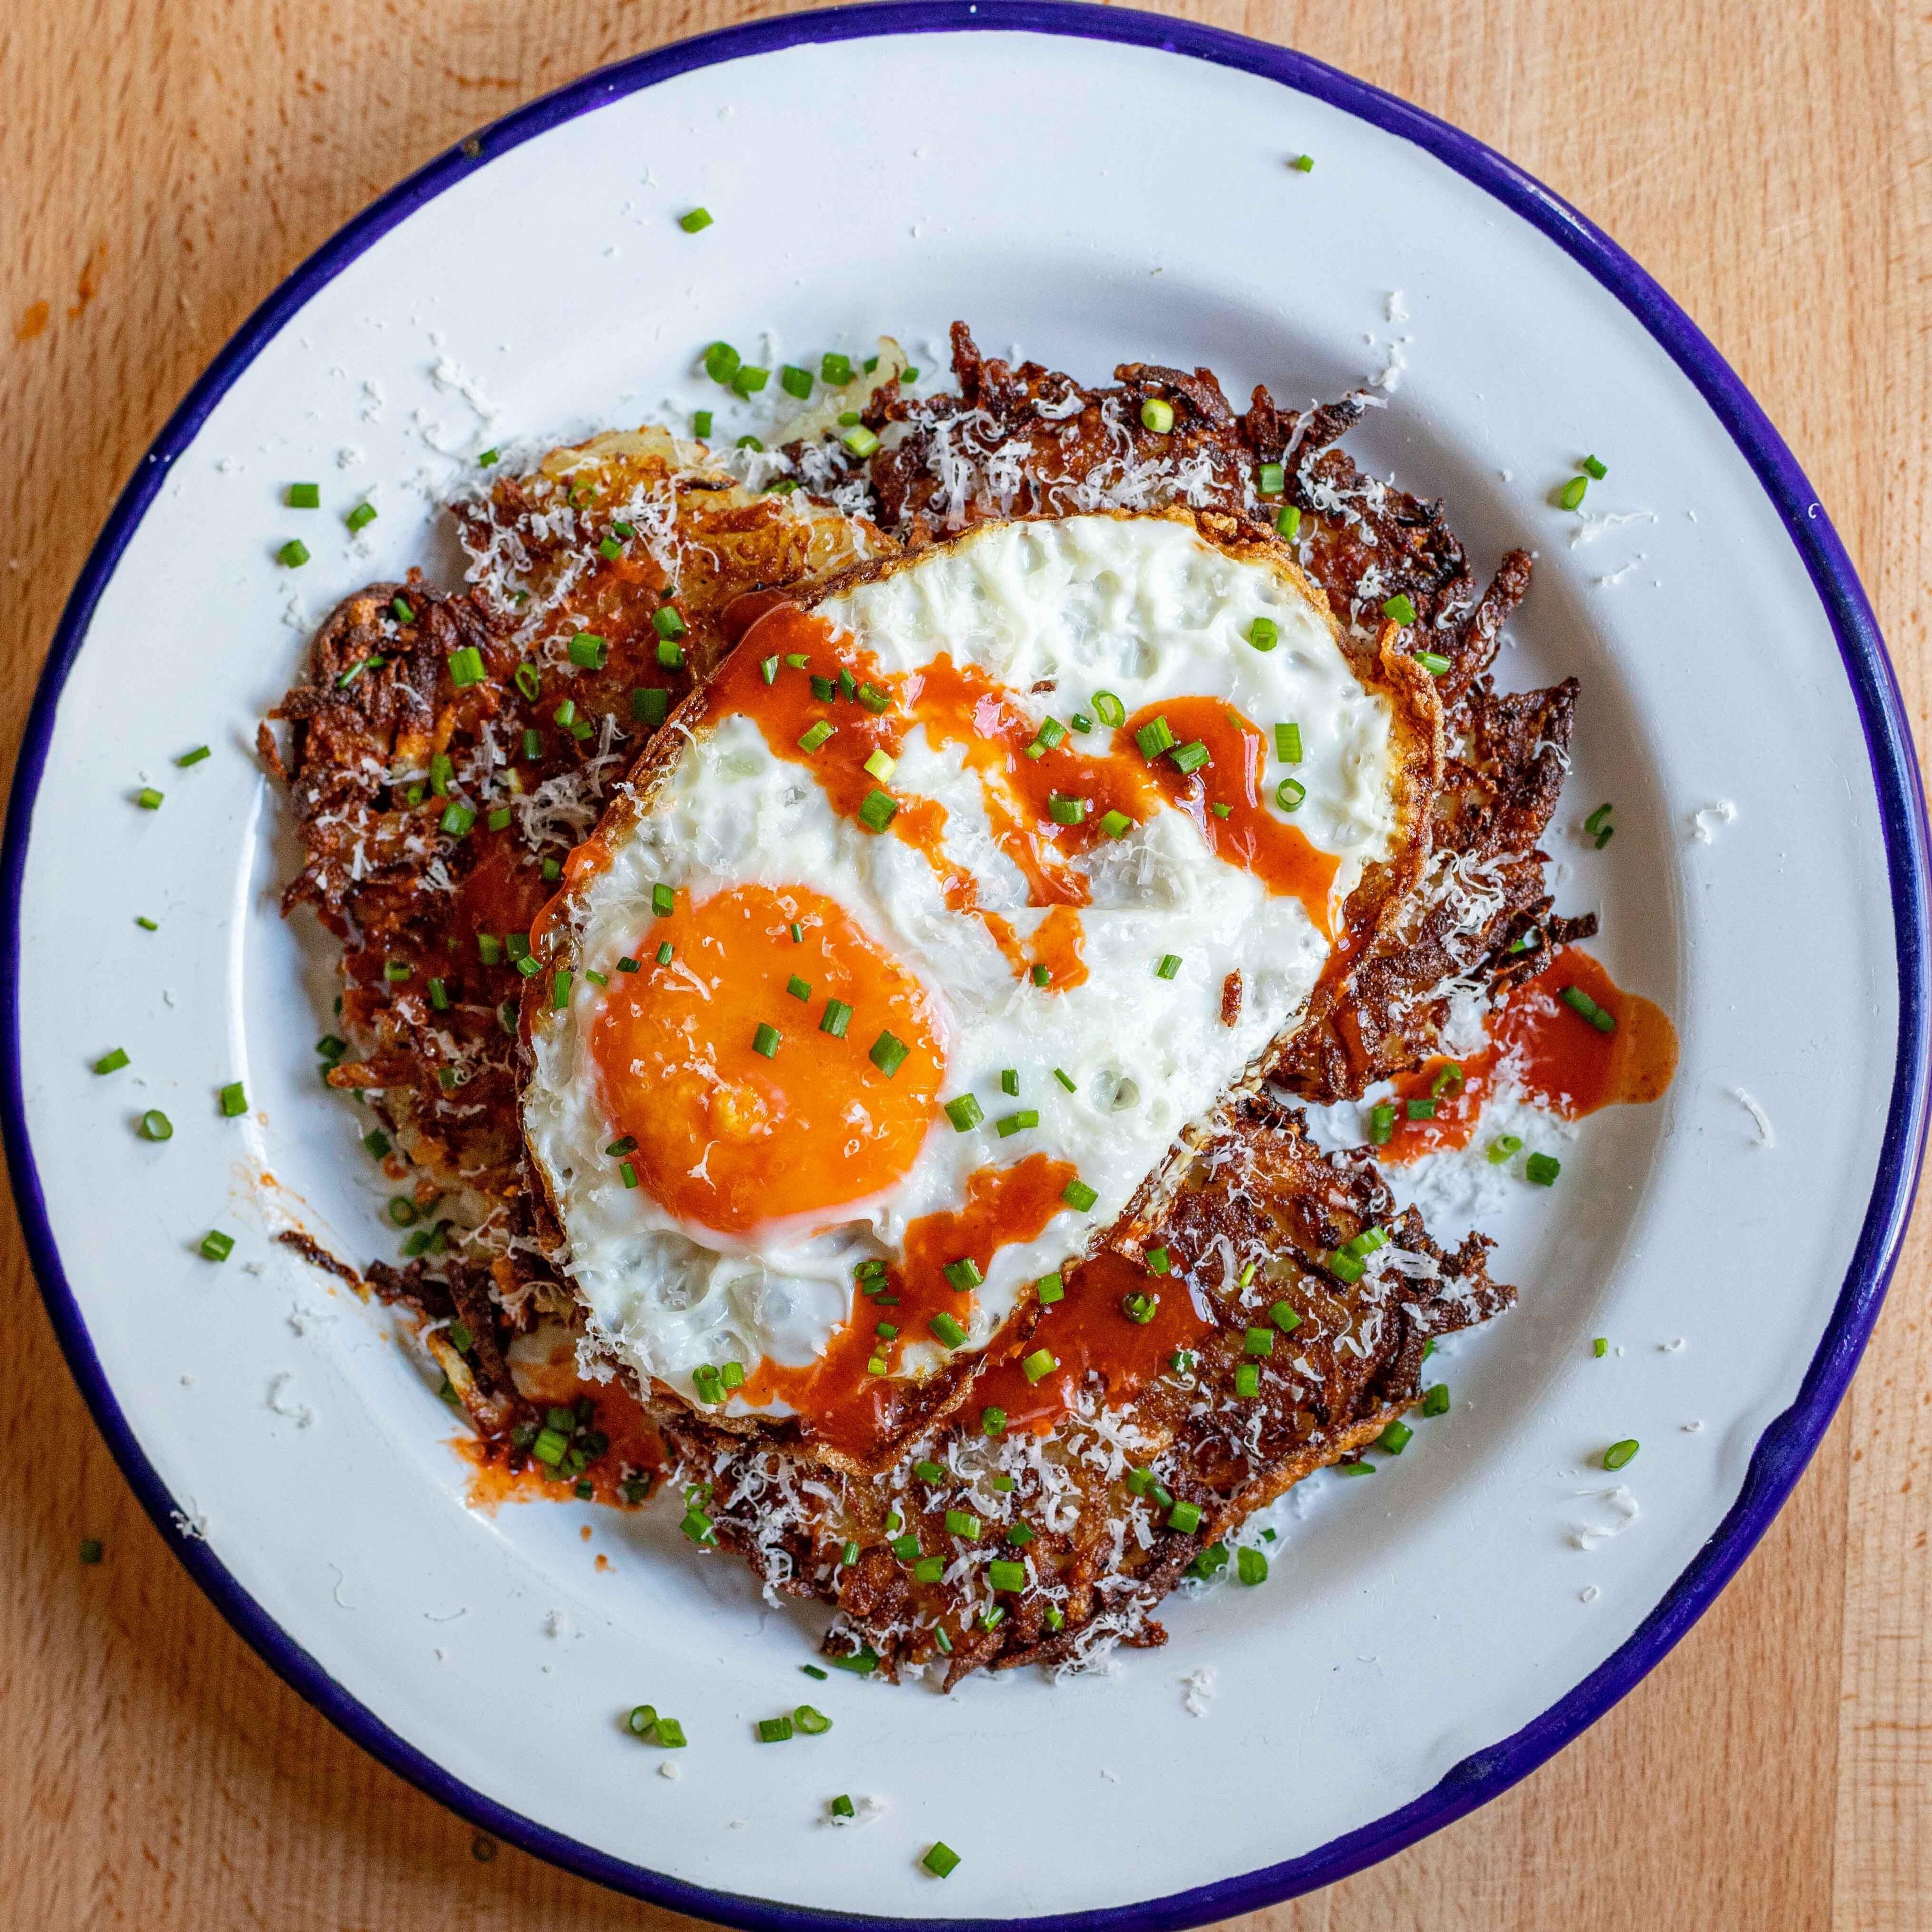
[927,926]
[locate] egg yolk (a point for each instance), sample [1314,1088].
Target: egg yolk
[751,1069]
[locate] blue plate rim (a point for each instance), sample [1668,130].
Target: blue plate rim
[1786,1444]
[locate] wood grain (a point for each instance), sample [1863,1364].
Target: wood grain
[164,162]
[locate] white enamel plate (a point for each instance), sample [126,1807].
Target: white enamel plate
[1091,186]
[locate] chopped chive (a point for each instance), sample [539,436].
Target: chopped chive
[941,1860]
[1170,965]
[888,1052]
[438,995]
[650,706]
[859,440]
[294,553]
[930,1471]
[625,1144]
[1288,743]
[1009,1080]
[962,1522]
[234,1101]
[948,1330]
[1303,164]
[1066,1079]
[1580,1002]
[1288,522]
[1050,1288]
[965,1113]
[811,1723]
[1109,710]
[155,1125]
[1542,1169]
[880,765]
[1600,1347]
[1081,722]
[146,924]
[1400,607]
[456,819]
[1157,416]
[400,608]
[1248,1382]
[1433,662]
[1396,1437]
[774,1730]
[877,811]
[835,371]
[628,964]
[1421,1110]
[696,222]
[1619,1454]
[1502,1146]
[666,622]
[111,1062]
[1078,1196]
[1381,1124]
[1346,1267]
[1258,1341]
[1158,1260]
[797,934]
[765,1041]
[216,1247]
[795,381]
[1272,480]
[873,698]
[824,689]
[195,756]
[1251,1566]
[1154,738]
[749,380]
[588,651]
[1184,1517]
[749,442]
[799,989]
[663,954]
[1117,824]
[1189,758]
[838,1016]
[147,798]
[1264,634]
[1038,1366]
[1140,1307]
[559,989]
[1571,496]
[670,656]
[908,374]
[993,1422]
[1436,1400]
[1355,1469]
[720,362]
[1009,1124]
[963,1275]
[361,517]
[1596,467]
[1284,1317]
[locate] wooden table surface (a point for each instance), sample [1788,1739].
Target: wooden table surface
[163,163]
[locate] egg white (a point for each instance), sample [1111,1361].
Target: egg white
[1145,607]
